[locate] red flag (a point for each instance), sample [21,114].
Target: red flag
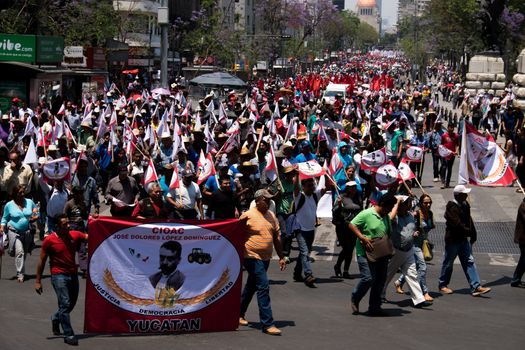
[374,159]
[414,154]
[175,181]
[206,167]
[335,162]
[151,173]
[310,169]
[386,175]
[271,166]
[405,173]
[62,109]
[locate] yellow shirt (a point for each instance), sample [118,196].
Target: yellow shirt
[260,231]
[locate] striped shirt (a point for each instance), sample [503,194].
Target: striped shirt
[260,231]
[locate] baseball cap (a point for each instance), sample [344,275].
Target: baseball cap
[351,183]
[263,193]
[461,189]
[187,173]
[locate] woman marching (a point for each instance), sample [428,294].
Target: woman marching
[19,213]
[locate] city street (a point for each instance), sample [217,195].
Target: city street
[321,317]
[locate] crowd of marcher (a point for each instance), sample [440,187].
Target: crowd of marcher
[153,154]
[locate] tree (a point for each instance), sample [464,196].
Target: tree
[366,36]
[341,33]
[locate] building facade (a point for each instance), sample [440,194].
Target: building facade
[368,12]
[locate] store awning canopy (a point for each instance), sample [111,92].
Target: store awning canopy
[218,79]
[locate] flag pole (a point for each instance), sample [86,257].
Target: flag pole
[521,188]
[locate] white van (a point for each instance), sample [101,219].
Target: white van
[332,90]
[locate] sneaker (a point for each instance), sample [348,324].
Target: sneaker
[346,275]
[399,289]
[242,321]
[337,271]
[55,327]
[309,281]
[446,290]
[20,279]
[480,290]
[517,284]
[272,330]
[287,259]
[71,340]
[442,186]
[436,179]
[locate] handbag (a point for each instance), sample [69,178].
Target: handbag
[382,247]
[427,248]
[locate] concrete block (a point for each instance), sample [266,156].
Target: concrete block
[501,77]
[471,92]
[521,62]
[519,79]
[486,84]
[486,64]
[473,84]
[498,85]
[498,93]
[519,91]
[491,92]
[519,104]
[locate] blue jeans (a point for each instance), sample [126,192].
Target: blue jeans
[257,282]
[305,239]
[373,277]
[462,249]
[66,289]
[421,266]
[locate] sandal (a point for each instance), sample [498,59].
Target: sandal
[20,279]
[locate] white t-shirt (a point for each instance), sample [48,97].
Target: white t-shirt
[306,216]
[189,195]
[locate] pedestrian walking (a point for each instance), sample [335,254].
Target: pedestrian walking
[262,233]
[60,246]
[519,238]
[371,223]
[460,235]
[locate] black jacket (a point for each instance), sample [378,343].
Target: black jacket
[459,224]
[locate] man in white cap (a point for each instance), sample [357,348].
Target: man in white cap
[459,229]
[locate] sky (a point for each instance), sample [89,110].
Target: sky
[389,10]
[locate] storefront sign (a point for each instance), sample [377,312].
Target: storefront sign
[17,48]
[49,49]
[74,57]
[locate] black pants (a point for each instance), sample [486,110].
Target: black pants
[520,268]
[446,170]
[188,214]
[347,241]
[435,164]
[520,172]
[416,169]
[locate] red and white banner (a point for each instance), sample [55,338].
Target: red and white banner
[374,159]
[386,175]
[310,169]
[163,277]
[57,169]
[405,173]
[444,152]
[482,161]
[414,154]
[151,173]
[335,162]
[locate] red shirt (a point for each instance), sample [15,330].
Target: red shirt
[450,141]
[62,252]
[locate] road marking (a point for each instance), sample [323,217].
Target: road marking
[502,260]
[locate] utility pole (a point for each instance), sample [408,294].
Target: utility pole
[163,21]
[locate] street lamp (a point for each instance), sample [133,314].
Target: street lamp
[163,21]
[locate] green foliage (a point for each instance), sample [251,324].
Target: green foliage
[79,22]
[340,33]
[366,35]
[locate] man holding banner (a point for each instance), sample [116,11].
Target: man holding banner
[262,229]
